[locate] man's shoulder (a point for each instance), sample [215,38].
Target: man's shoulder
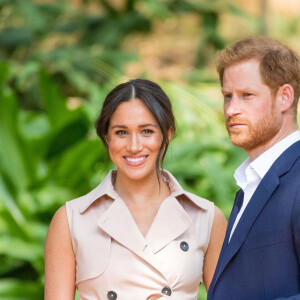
[289,159]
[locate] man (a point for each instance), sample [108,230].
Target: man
[260,257]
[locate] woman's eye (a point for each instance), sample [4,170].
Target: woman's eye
[147,131]
[121,132]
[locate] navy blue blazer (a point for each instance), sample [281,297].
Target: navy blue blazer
[262,260]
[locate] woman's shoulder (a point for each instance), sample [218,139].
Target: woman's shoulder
[59,218]
[105,187]
[58,228]
[178,191]
[203,203]
[200,201]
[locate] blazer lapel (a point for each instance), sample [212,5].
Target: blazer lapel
[252,211]
[225,243]
[235,210]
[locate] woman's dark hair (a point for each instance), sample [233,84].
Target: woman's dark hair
[155,100]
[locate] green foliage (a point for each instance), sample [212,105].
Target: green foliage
[35,178]
[58,61]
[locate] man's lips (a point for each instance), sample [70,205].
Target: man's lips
[236,124]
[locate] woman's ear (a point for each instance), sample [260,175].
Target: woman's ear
[170,133]
[106,140]
[286,94]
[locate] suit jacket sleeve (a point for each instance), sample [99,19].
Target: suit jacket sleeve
[296,233]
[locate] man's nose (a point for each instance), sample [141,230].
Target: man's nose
[233,107]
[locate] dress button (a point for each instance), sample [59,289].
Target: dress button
[167,291]
[111,295]
[184,246]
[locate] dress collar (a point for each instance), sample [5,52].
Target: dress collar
[106,188]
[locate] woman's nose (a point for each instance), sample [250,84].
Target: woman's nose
[134,144]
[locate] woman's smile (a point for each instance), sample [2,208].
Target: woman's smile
[135,160]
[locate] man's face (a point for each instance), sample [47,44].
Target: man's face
[252,115]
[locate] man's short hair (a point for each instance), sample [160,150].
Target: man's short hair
[278,64]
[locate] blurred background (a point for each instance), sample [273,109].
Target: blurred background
[59,59]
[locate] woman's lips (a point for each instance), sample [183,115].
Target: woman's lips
[135,160]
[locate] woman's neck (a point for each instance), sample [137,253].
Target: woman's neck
[143,198]
[141,191]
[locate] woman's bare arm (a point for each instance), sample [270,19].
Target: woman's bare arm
[214,248]
[59,260]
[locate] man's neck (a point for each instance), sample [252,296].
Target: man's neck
[260,149]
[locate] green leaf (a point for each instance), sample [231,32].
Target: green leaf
[11,289]
[32,14]
[8,264]
[11,156]
[69,134]
[4,72]
[20,249]
[54,103]
[14,37]
[87,155]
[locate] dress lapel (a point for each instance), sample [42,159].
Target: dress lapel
[170,222]
[118,222]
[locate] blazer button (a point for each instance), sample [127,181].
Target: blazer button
[166,291]
[184,246]
[111,295]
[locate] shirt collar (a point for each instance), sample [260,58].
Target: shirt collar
[262,164]
[240,174]
[106,188]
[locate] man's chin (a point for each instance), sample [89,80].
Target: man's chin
[239,141]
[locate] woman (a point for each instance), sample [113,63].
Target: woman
[138,235]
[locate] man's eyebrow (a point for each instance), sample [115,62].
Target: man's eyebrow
[224,91]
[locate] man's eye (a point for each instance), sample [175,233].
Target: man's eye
[248,95]
[227,96]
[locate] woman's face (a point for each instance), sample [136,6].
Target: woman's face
[134,139]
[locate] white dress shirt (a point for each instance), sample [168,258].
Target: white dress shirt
[249,174]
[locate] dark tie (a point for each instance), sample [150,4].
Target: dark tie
[235,210]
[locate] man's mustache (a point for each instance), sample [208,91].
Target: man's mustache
[231,120]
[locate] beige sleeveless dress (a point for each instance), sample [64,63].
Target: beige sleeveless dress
[115,261]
